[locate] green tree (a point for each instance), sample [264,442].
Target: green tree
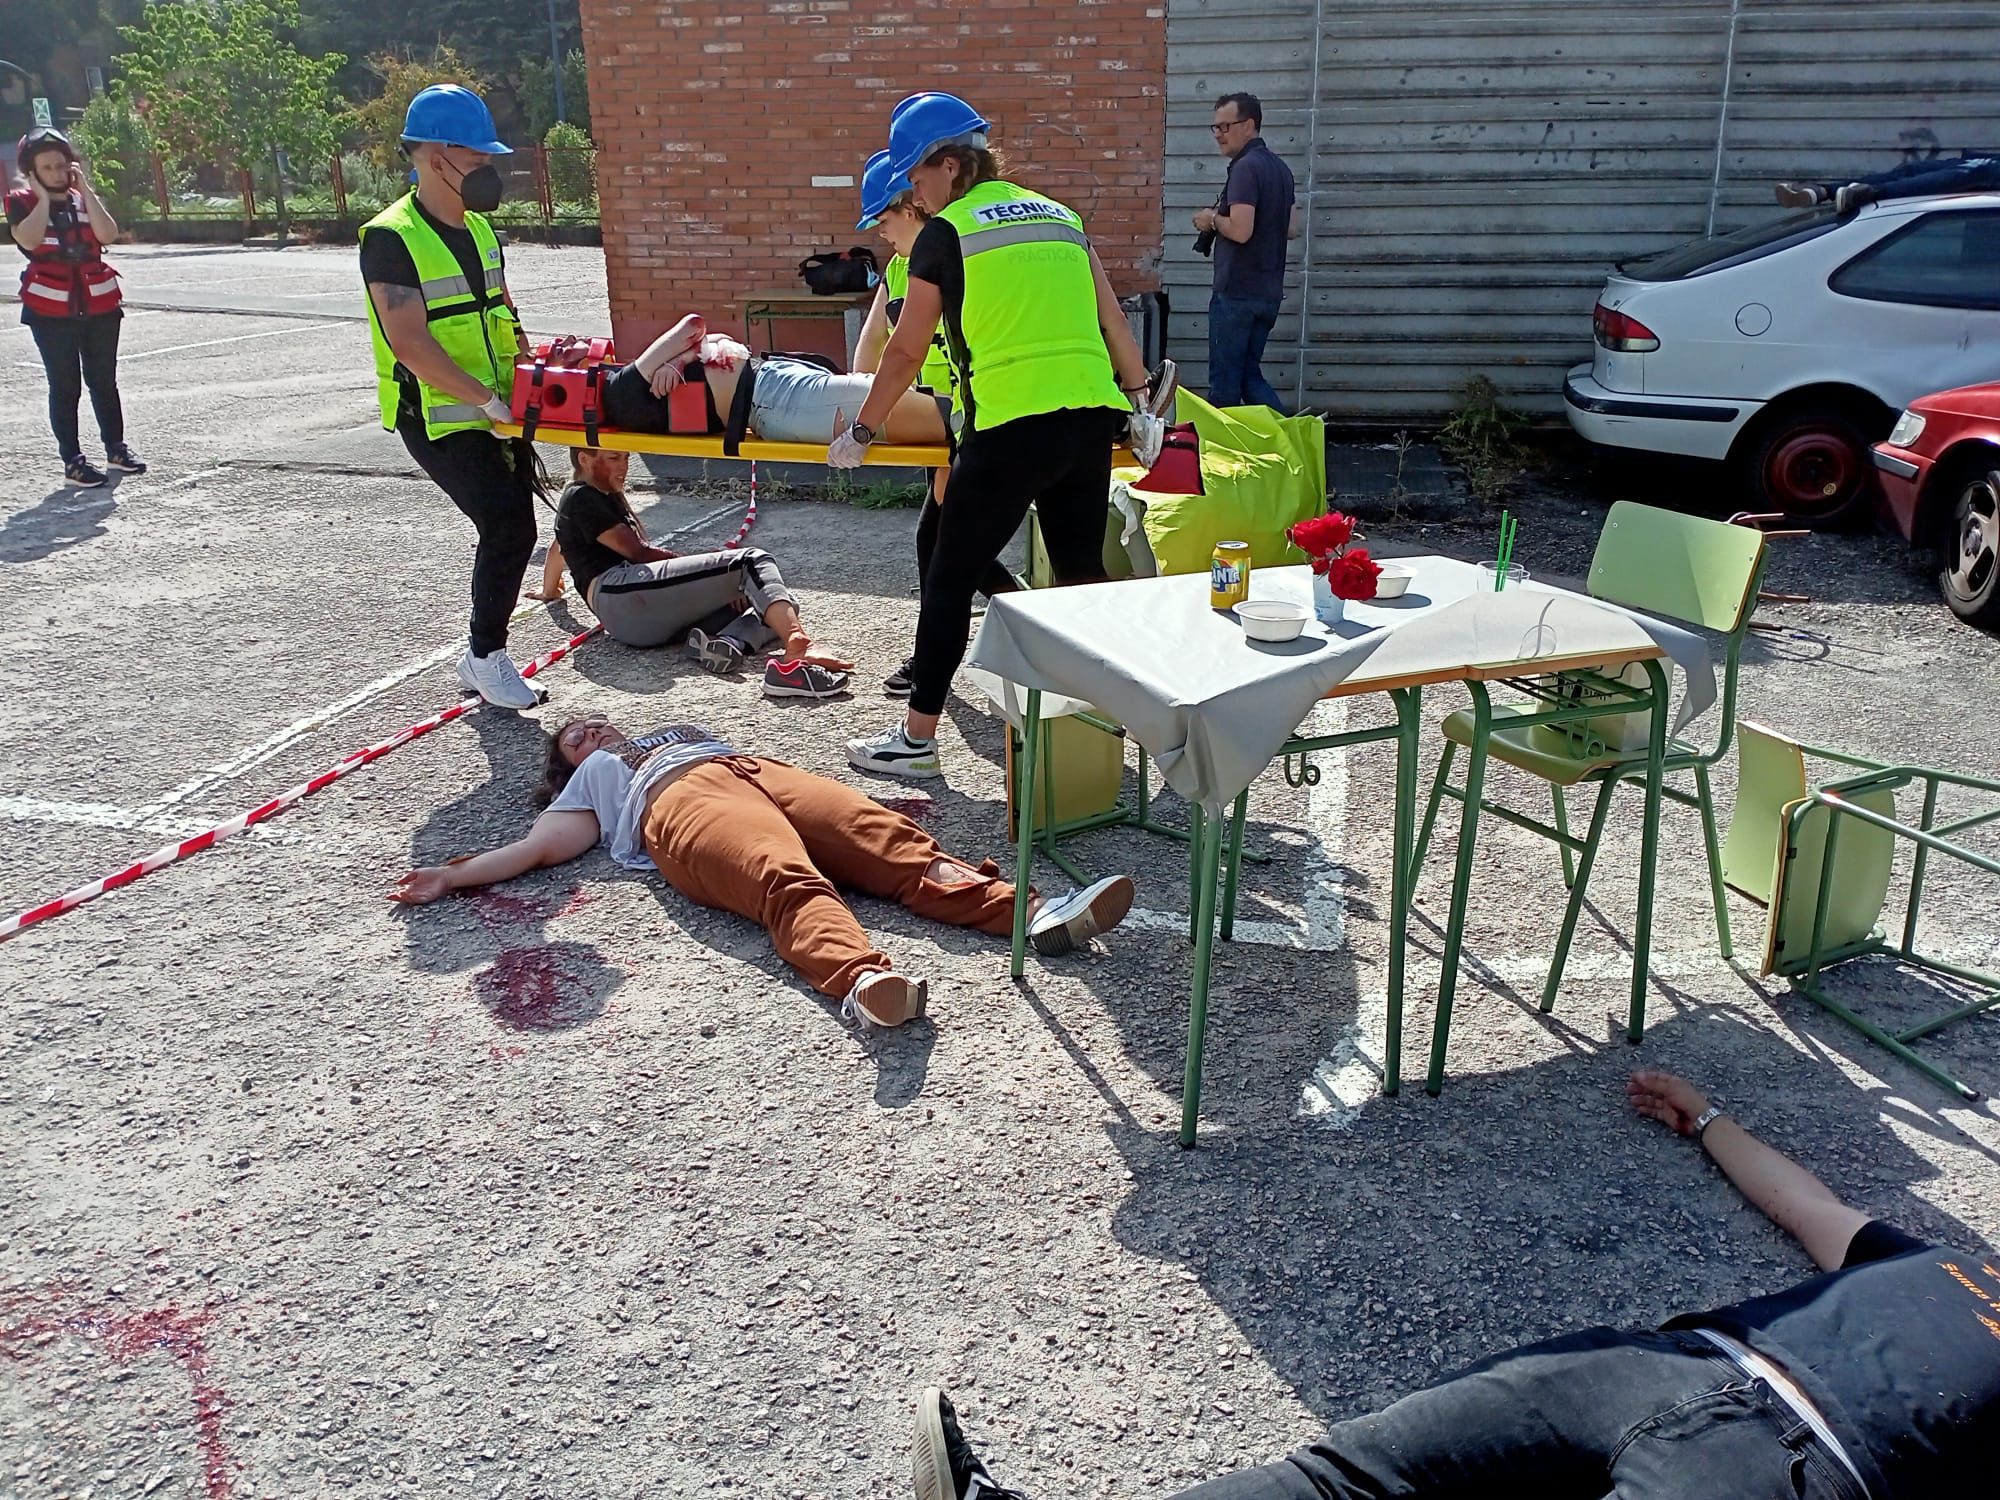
[535,92]
[376,124]
[571,175]
[219,81]
[113,138]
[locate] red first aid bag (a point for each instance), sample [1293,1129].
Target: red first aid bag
[563,385]
[1178,469]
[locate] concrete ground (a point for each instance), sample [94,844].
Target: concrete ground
[569,1189]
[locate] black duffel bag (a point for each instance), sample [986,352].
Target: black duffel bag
[830,274]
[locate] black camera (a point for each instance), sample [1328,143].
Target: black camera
[1204,243]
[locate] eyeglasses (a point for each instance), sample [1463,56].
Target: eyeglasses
[1223,127]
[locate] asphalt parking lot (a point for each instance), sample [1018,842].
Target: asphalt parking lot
[569,1189]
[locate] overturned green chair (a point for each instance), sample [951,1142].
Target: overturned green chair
[1821,860]
[1684,568]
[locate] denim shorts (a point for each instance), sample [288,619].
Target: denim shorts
[796,402]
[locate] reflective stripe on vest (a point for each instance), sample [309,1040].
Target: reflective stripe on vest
[937,373]
[1027,339]
[473,325]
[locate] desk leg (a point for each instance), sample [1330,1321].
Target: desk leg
[1402,873]
[1461,885]
[1198,821]
[1207,850]
[1233,865]
[1024,836]
[1649,850]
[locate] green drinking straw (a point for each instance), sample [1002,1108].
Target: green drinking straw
[1505,559]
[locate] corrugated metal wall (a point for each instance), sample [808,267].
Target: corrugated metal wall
[1475,166]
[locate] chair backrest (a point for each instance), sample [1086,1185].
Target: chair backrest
[1770,776]
[1697,571]
[1863,862]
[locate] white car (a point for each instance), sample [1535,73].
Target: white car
[1788,348]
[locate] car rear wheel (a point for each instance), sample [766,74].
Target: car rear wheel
[1969,576]
[1813,465]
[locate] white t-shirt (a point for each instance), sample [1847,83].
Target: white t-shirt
[616,784]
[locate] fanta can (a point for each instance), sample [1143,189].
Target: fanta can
[1229,575]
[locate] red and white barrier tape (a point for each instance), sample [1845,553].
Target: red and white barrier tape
[750,518]
[174,853]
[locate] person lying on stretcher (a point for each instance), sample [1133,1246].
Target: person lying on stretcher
[788,401]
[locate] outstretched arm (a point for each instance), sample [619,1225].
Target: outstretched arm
[556,838]
[1785,1192]
[552,576]
[1118,341]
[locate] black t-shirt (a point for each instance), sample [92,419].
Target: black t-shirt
[583,515]
[1255,269]
[936,258]
[386,259]
[1900,1350]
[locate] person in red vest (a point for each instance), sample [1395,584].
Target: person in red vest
[70,299]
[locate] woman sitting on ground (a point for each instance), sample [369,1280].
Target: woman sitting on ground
[731,604]
[767,841]
[790,400]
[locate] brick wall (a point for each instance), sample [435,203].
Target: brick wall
[713,120]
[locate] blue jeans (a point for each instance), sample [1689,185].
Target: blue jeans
[1644,1416]
[1237,329]
[1914,179]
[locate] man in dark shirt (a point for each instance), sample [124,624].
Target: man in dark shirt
[1879,1380]
[1250,225]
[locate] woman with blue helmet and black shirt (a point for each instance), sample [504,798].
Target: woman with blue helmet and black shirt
[888,206]
[1048,375]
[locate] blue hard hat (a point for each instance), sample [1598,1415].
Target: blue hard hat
[924,122]
[879,188]
[453,116]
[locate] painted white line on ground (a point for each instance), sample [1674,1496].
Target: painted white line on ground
[268,333]
[275,744]
[111,815]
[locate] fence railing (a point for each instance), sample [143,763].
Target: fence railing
[543,187]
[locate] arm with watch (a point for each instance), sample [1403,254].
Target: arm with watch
[1778,1187]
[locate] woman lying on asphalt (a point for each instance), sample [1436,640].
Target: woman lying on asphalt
[789,400]
[770,842]
[1879,1380]
[730,604]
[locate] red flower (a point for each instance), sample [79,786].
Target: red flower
[1322,536]
[1353,575]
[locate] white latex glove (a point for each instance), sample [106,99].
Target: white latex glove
[846,451]
[497,410]
[1145,435]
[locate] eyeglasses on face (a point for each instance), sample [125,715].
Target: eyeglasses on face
[1223,127]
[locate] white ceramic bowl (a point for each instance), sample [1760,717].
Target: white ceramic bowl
[1394,582]
[1272,619]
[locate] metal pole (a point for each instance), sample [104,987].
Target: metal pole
[556,63]
[1306,224]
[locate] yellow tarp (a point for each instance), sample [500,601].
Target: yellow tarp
[1263,473]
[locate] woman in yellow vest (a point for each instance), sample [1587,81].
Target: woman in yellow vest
[1047,376]
[446,339]
[889,207]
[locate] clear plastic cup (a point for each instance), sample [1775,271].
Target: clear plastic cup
[1490,571]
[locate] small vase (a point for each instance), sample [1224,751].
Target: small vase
[1328,607]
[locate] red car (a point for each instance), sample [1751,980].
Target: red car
[1941,477]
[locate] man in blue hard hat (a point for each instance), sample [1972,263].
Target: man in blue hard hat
[446,339]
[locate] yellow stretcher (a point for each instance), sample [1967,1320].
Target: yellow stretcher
[682,445]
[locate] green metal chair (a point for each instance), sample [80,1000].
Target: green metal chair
[1821,859]
[1660,562]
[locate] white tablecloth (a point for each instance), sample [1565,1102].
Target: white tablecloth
[1213,708]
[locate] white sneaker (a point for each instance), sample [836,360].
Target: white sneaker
[884,999]
[496,679]
[1066,925]
[892,752]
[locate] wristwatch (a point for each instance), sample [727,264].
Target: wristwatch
[1706,1118]
[862,435]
